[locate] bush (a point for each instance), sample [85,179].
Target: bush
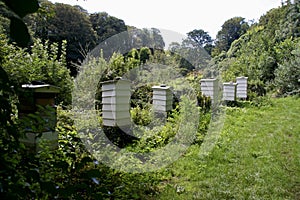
[204,120]
[256,88]
[141,97]
[287,78]
[141,116]
[41,63]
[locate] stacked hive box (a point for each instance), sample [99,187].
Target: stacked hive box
[229,91]
[210,88]
[116,103]
[241,87]
[162,99]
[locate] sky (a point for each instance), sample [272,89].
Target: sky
[178,16]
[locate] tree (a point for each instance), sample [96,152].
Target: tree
[151,38]
[73,26]
[194,51]
[272,23]
[60,22]
[200,37]
[40,21]
[292,24]
[106,25]
[231,30]
[157,39]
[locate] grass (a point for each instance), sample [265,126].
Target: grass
[256,157]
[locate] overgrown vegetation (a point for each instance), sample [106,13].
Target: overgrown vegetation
[266,53]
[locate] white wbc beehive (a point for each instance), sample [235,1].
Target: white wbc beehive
[210,88]
[241,91]
[116,103]
[162,98]
[229,91]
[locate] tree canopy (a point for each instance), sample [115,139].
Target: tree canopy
[106,25]
[231,30]
[200,37]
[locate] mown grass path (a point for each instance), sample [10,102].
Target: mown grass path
[256,157]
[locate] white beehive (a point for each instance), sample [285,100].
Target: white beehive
[229,91]
[116,103]
[241,91]
[162,98]
[210,88]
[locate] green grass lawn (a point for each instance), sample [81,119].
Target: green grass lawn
[256,157]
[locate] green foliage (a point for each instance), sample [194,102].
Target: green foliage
[191,57]
[9,132]
[160,136]
[231,30]
[141,116]
[261,50]
[156,139]
[106,26]
[141,96]
[235,168]
[150,38]
[204,121]
[59,22]
[41,64]
[68,172]
[261,101]
[145,54]
[87,178]
[39,21]
[200,37]
[273,21]
[77,30]
[287,79]
[44,119]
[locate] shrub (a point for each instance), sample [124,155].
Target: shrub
[287,78]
